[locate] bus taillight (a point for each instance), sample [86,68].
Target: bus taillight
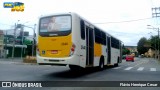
[37,51]
[72,49]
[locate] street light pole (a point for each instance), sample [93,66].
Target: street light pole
[154,44]
[13,47]
[6,44]
[33,43]
[33,28]
[157,41]
[22,41]
[156,14]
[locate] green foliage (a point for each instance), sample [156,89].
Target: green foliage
[143,46]
[154,42]
[125,51]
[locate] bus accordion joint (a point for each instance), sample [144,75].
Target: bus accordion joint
[72,49]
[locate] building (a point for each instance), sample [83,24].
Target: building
[133,50]
[1,44]
[150,53]
[8,44]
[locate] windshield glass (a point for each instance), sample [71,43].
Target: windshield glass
[55,25]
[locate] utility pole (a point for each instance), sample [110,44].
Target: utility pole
[22,30]
[154,42]
[156,14]
[157,29]
[158,43]
[33,43]
[155,47]
[6,44]
[14,37]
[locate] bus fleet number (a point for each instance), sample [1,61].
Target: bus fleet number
[83,47]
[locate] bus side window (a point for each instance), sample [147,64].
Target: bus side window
[97,35]
[103,38]
[82,29]
[115,43]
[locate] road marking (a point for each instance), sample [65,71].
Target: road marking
[152,69]
[140,68]
[116,67]
[138,64]
[128,68]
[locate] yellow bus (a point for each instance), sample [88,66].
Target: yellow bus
[68,39]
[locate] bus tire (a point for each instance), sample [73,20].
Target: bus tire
[116,65]
[101,63]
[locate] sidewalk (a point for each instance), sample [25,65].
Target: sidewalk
[13,61]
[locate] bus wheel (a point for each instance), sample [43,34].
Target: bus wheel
[116,65]
[101,64]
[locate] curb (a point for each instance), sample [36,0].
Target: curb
[16,62]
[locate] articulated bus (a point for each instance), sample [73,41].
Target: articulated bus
[68,39]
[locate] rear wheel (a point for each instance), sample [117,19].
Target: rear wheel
[116,65]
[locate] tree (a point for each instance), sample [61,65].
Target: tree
[154,42]
[125,50]
[141,47]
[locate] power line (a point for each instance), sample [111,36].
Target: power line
[125,21]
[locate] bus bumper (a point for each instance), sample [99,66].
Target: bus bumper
[73,60]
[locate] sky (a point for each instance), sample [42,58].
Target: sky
[127,20]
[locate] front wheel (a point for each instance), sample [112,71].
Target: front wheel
[116,65]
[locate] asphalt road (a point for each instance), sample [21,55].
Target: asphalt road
[143,69]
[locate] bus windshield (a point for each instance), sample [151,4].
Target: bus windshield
[55,25]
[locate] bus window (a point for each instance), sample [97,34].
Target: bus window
[82,29]
[103,38]
[97,36]
[115,43]
[55,26]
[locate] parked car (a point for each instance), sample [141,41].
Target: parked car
[130,58]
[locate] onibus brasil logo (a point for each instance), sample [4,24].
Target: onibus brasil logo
[15,6]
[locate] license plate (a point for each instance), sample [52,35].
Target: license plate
[54,51]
